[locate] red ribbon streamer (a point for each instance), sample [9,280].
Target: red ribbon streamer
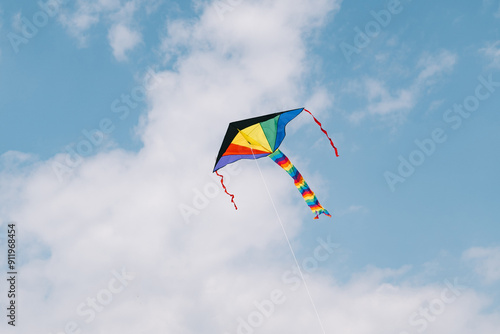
[225,189]
[324,131]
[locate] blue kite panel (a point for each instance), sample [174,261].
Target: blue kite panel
[282,122]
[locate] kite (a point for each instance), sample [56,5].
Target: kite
[259,137]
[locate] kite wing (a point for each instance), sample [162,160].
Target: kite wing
[254,138]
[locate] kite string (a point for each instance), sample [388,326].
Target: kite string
[324,131]
[289,244]
[225,189]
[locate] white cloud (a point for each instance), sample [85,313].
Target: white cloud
[486,262]
[125,13]
[17,24]
[492,52]
[86,15]
[382,102]
[123,39]
[394,104]
[434,66]
[123,34]
[121,209]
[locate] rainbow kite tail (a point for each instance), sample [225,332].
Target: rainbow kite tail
[300,183]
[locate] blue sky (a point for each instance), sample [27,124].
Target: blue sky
[408,90]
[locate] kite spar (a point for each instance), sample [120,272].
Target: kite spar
[259,137]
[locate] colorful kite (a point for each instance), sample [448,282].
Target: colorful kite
[259,137]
